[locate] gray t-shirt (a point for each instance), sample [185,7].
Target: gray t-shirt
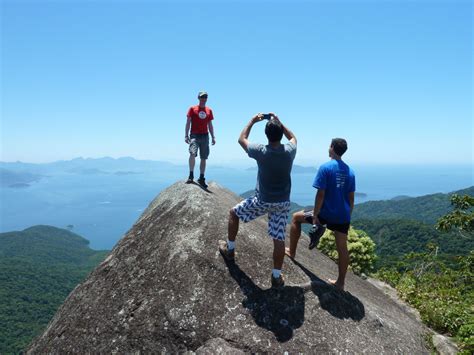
[274,170]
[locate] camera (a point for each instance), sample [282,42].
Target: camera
[267,116]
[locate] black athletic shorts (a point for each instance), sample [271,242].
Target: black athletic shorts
[335,227]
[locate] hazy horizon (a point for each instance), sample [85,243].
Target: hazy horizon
[102,205]
[244,162]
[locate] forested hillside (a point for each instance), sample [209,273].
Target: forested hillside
[426,209]
[396,237]
[39,267]
[402,226]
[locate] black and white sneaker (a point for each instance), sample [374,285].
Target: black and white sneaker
[315,233]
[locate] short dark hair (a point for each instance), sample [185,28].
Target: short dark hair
[339,145]
[274,131]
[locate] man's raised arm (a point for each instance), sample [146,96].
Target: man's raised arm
[288,134]
[244,135]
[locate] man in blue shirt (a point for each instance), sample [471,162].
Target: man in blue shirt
[333,206]
[272,193]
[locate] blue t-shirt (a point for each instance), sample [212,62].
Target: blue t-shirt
[274,170]
[337,179]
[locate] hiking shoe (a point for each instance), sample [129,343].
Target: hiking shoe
[278,282]
[226,253]
[202,182]
[315,233]
[189,181]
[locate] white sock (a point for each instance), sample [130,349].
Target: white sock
[230,245]
[276,273]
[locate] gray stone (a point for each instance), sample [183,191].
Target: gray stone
[218,346]
[166,288]
[393,294]
[444,345]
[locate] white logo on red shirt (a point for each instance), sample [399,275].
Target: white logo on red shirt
[202,115]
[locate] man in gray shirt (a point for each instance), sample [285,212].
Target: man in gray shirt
[272,194]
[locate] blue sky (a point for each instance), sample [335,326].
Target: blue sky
[115,78]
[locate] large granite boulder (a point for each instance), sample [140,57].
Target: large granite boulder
[166,288]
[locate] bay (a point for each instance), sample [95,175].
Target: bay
[102,206]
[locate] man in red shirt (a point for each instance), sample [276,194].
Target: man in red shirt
[200,121]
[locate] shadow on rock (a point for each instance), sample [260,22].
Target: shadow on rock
[278,310]
[200,186]
[340,304]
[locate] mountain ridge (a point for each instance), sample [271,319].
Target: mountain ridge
[166,288]
[426,208]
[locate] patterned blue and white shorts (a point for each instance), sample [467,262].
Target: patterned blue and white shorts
[253,207]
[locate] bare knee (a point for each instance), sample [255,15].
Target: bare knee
[278,243]
[341,243]
[298,218]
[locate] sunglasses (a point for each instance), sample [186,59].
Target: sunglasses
[203,97]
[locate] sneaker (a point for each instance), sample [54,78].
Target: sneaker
[189,181]
[226,253]
[278,282]
[315,233]
[202,182]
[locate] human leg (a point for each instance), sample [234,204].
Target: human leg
[278,253]
[343,259]
[278,256]
[227,249]
[202,167]
[277,220]
[192,162]
[295,232]
[232,226]
[246,211]
[203,154]
[193,149]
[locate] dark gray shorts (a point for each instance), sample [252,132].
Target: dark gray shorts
[335,227]
[199,142]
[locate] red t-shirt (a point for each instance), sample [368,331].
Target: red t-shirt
[199,119]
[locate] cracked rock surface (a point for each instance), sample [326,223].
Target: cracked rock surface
[166,288]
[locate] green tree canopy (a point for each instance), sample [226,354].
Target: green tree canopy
[360,246]
[461,218]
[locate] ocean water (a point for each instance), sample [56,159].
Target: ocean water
[103,207]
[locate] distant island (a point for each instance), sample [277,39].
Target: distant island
[120,173]
[19,185]
[91,171]
[95,171]
[16,179]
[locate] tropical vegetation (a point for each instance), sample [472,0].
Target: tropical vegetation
[360,246]
[442,288]
[39,267]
